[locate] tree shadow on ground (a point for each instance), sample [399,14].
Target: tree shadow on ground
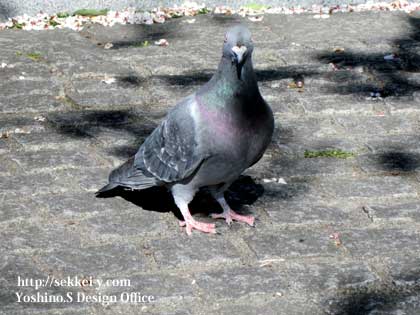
[244,191]
[398,161]
[388,77]
[130,81]
[226,20]
[385,299]
[90,124]
[263,75]
[136,35]
[5,11]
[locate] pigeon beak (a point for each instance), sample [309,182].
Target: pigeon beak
[239,53]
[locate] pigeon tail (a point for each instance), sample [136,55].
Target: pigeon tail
[127,176]
[101,193]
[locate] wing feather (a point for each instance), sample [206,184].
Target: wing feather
[171,152]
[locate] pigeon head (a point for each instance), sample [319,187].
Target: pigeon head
[238,46]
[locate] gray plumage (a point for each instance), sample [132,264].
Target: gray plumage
[208,139]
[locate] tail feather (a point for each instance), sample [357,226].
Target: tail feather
[129,177]
[106,188]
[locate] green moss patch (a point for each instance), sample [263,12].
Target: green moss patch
[90,12]
[204,11]
[142,44]
[34,56]
[63,15]
[335,153]
[255,6]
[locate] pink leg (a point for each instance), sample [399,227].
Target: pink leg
[191,224]
[229,215]
[182,196]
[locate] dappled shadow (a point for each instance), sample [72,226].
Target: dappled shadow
[91,124]
[387,299]
[188,78]
[125,151]
[376,74]
[148,34]
[398,161]
[5,11]
[130,81]
[135,35]
[293,72]
[226,20]
[263,75]
[244,191]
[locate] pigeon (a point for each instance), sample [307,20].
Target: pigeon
[208,139]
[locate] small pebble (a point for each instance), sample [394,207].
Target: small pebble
[108,46]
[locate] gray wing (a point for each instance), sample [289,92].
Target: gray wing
[170,153]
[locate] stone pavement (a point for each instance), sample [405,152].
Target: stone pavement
[341,237]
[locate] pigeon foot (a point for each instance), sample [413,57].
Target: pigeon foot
[231,215]
[196,225]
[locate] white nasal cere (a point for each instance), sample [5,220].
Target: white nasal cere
[239,51]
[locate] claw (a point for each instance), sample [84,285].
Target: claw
[231,215]
[192,224]
[222,216]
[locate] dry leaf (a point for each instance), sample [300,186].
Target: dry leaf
[281,181]
[333,66]
[162,42]
[189,21]
[336,237]
[321,16]
[159,19]
[256,18]
[108,80]
[39,118]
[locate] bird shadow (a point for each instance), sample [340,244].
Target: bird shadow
[244,191]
